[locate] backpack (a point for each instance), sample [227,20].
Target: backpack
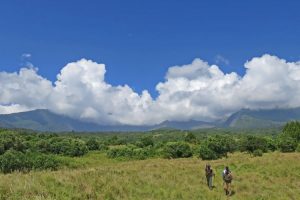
[209,172]
[227,177]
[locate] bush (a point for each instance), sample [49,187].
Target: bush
[92,144]
[38,161]
[287,144]
[143,153]
[190,138]
[147,141]
[123,151]
[252,143]
[292,129]
[177,150]
[271,144]
[131,152]
[102,147]
[298,148]
[77,148]
[257,152]
[206,153]
[216,147]
[13,160]
[67,147]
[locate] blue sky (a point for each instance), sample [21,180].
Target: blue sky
[139,40]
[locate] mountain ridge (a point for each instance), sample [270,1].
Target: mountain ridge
[45,120]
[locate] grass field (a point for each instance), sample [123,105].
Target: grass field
[272,176]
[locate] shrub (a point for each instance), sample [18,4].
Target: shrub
[257,152]
[271,144]
[252,143]
[92,144]
[221,144]
[131,152]
[298,148]
[206,153]
[147,141]
[190,138]
[13,160]
[177,150]
[102,147]
[115,140]
[123,151]
[142,153]
[76,148]
[216,147]
[42,146]
[67,146]
[287,144]
[292,129]
[40,161]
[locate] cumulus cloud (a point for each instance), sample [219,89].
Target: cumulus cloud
[196,91]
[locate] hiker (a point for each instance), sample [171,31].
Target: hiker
[209,175]
[227,178]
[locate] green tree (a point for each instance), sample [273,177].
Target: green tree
[177,150]
[292,129]
[190,138]
[92,144]
[147,141]
[206,153]
[287,144]
[252,143]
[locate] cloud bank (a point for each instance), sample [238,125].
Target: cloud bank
[197,91]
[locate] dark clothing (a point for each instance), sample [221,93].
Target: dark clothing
[209,181]
[209,174]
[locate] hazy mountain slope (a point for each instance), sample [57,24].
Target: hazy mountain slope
[44,120]
[186,125]
[246,118]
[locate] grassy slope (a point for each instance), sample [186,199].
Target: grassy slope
[273,176]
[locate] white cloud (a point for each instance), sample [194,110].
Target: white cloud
[195,91]
[7,109]
[26,55]
[25,88]
[219,59]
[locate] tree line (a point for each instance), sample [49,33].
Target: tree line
[22,150]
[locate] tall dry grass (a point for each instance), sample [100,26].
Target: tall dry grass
[273,176]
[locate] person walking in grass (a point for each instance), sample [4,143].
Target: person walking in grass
[227,178]
[209,176]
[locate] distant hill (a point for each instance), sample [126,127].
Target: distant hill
[44,120]
[267,118]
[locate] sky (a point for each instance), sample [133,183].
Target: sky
[142,62]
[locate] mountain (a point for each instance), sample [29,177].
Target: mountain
[263,118]
[44,120]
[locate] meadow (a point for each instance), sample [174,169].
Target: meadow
[161,164]
[273,176]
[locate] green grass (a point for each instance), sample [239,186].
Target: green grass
[272,176]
